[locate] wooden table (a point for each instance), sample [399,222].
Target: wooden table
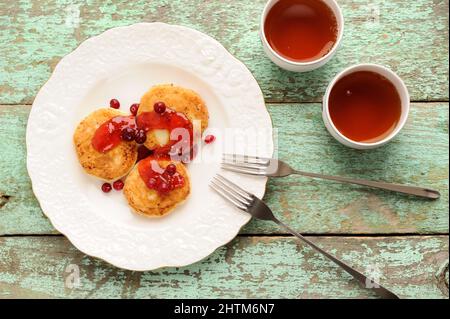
[404,238]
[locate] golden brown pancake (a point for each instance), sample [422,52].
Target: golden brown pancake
[108,166]
[178,99]
[149,202]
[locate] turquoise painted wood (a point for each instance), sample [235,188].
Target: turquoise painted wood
[411,37]
[248,267]
[418,156]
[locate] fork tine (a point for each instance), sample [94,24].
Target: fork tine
[227,181]
[243,164]
[246,159]
[228,196]
[234,188]
[248,171]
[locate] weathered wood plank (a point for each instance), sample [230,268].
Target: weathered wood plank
[419,155]
[258,267]
[409,36]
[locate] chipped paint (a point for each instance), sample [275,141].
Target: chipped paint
[311,206]
[72,19]
[416,46]
[275,267]
[410,37]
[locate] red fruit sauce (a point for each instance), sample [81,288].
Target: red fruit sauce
[158,178]
[169,120]
[107,136]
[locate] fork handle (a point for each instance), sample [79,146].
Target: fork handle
[362,279]
[411,190]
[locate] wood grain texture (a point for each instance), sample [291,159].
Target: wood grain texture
[411,37]
[419,155]
[258,267]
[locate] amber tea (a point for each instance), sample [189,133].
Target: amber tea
[301,30]
[364,106]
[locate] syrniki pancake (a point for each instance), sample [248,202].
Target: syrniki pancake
[151,202]
[178,99]
[110,165]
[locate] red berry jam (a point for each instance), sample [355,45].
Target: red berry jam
[109,134]
[118,185]
[106,187]
[114,103]
[169,120]
[209,139]
[131,128]
[157,178]
[151,183]
[134,108]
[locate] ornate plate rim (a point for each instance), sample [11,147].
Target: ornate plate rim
[42,98]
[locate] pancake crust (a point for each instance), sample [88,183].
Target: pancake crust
[108,166]
[149,202]
[178,99]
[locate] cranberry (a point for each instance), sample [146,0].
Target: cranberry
[152,182]
[163,187]
[134,108]
[165,176]
[140,137]
[178,180]
[159,107]
[128,134]
[171,169]
[114,103]
[106,187]
[209,139]
[118,185]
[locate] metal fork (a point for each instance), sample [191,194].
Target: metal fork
[258,209]
[263,166]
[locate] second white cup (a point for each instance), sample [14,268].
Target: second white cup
[389,75]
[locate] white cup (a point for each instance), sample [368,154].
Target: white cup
[394,79]
[296,66]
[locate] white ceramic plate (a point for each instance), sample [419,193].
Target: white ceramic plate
[123,63]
